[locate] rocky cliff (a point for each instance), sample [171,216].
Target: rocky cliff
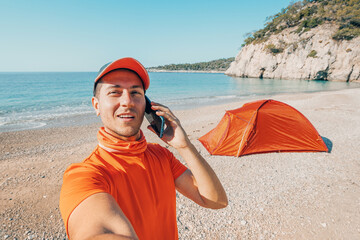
[310,55]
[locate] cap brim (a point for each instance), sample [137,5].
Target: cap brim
[127,63]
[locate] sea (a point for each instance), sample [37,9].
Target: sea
[33,100]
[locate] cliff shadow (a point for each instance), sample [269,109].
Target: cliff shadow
[328,143]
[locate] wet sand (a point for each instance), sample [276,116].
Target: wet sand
[271,196]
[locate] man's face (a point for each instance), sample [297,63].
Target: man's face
[121,104]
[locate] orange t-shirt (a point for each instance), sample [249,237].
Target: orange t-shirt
[140,177]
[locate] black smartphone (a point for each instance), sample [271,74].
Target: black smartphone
[156,122]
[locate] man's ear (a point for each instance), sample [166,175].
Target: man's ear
[95,103]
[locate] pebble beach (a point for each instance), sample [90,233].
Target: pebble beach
[271,196]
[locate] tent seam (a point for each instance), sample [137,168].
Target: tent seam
[257,110]
[242,139]
[225,132]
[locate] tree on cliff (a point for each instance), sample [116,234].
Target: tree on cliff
[309,14]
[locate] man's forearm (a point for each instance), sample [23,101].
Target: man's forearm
[209,186]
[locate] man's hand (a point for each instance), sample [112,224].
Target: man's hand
[174,134]
[200,183]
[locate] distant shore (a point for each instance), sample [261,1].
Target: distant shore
[271,196]
[184,71]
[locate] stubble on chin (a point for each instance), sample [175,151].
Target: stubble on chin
[123,133]
[127,133]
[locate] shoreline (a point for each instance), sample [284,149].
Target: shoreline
[271,196]
[83,119]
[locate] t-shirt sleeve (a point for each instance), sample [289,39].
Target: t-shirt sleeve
[177,168]
[79,182]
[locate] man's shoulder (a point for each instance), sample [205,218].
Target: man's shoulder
[159,151]
[156,147]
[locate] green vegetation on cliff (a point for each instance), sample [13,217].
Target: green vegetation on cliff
[215,65]
[308,14]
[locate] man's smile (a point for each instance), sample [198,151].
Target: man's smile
[126,116]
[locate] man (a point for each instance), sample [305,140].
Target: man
[126,188]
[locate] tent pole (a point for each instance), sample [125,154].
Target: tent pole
[242,139]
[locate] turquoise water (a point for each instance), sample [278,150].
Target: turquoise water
[33,100]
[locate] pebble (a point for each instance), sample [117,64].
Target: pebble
[6,236]
[243,222]
[31,237]
[323,224]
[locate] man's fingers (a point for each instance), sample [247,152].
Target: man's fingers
[167,116]
[163,109]
[158,106]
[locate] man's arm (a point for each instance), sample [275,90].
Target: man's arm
[200,183]
[99,217]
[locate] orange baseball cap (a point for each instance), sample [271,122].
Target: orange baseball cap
[125,63]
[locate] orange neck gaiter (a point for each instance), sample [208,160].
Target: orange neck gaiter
[113,144]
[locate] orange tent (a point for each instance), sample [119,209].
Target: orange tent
[260,127]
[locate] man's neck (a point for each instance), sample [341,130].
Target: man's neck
[124,138]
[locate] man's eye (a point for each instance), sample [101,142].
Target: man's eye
[114,92]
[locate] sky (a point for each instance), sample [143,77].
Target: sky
[83,35]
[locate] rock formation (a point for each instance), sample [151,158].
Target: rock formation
[310,55]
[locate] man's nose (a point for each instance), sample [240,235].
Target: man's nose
[126,99]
